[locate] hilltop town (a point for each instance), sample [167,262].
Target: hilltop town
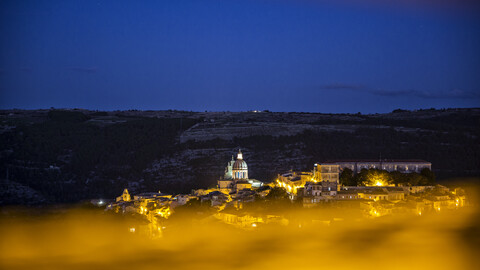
[246,203]
[69,155]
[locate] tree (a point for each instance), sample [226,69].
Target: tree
[375,177]
[346,178]
[415,179]
[398,177]
[277,193]
[429,175]
[361,177]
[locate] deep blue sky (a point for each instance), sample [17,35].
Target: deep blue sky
[319,56]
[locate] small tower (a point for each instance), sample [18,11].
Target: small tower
[228,170]
[125,196]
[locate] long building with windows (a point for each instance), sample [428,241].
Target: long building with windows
[401,165]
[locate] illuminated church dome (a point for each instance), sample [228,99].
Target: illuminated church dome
[240,168]
[240,164]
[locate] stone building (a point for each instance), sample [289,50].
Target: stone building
[328,175]
[326,172]
[401,165]
[125,197]
[295,179]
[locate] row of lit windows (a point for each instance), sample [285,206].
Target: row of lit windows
[348,197]
[240,175]
[389,167]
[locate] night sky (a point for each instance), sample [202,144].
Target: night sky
[317,56]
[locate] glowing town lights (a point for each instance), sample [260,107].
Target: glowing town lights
[254,225]
[164,212]
[419,213]
[374,213]
[378,183]
[132,230]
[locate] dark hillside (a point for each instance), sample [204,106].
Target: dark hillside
[50,156]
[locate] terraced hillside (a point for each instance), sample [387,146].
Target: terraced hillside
[69,155]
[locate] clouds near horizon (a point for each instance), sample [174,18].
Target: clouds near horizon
[453,93]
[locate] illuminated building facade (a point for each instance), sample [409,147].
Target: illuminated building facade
[125,197]
[328,175]
[297,178]
[326,172]
[401,165]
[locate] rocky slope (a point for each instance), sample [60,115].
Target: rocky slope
[69,155]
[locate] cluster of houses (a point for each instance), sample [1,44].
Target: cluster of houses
[319,186]
[322,185]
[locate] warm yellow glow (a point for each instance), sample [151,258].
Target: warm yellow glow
[374,213]
[377,179]
[163,212]
[82,240]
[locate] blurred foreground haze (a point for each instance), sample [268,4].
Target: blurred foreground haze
[91,239]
